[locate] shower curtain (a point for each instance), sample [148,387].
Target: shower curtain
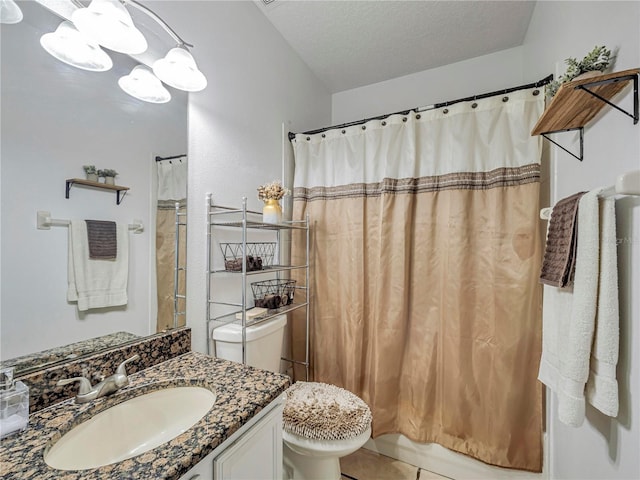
[172,188]
[425,255]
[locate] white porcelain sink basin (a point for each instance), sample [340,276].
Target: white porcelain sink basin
[130,428]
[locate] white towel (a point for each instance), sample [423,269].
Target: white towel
[569,319]
[602,386]
[96,283]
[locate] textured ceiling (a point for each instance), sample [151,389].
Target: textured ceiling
[350,43]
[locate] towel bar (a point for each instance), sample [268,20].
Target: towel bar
[626,184]
[45,222]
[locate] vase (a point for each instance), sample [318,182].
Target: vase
[92,177]
[272,211]
[110,180]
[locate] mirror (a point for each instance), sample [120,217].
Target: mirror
[55,119]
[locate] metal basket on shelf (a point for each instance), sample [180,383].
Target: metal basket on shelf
[259,255]
[273,293]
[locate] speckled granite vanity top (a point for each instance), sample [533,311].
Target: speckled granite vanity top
[42,359]
[241,393]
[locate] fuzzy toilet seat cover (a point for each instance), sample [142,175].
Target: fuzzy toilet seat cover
[320,411]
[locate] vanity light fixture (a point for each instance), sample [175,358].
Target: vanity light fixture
[144,85]
[178,69]
[10,12]
[70,46]
[108,23]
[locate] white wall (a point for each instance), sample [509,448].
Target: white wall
[602,448]
[256,83]
[458,80]
[56,118]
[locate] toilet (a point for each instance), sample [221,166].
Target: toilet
[321,422]
[264,343]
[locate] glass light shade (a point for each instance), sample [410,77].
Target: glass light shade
[143,85]
[10,12]
[71,47]
[108,23]
[179,70]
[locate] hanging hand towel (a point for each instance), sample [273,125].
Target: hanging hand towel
[568,320]
[602,386]
[558,263]
[103,243]
[96,283]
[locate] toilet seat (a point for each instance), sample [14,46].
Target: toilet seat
[320,411]
[321,423]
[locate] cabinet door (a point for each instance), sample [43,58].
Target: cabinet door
[257,455]
[203,470]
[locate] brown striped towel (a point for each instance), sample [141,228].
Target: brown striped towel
[102,240]
[558,264]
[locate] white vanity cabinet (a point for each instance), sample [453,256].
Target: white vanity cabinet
[254,452]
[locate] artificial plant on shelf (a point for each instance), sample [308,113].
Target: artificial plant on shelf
[109,175]
[271,194]
[91,172]
[597,60]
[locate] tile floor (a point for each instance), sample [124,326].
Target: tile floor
[367,465]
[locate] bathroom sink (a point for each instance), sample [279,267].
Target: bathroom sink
[130,428]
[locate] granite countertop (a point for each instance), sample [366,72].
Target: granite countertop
[242,391]
[38,360]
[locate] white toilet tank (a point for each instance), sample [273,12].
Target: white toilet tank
[264,343]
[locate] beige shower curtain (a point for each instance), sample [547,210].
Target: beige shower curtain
[426,250]
[172,188]
[165,265]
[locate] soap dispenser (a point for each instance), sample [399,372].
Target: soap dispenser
[14,403]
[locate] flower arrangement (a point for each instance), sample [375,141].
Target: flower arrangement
[272,191]
[597,60]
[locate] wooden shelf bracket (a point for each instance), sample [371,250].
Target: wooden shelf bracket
[581,129]
[633,77]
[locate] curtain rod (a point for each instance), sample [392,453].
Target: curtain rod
[539,83]
[159,159]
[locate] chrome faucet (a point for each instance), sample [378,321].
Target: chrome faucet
[109,385]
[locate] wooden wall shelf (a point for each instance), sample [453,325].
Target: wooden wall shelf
[573,107]
[120,190]
[576,103]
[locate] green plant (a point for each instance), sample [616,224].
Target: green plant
[89,169]
[597,59]
[107,172]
